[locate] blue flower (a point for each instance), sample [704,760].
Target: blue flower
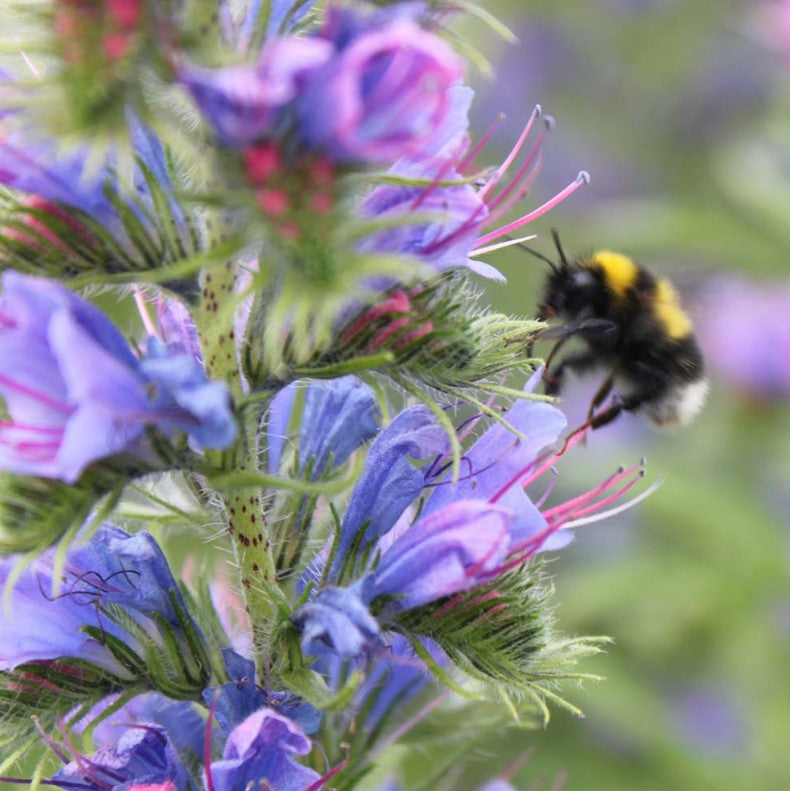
[143,756]
[338,416]
[389,483]
[498,456]
[75,393]
[338,619]
[451,550]
[112,568]
[260,751]
[241,696]
[35,165]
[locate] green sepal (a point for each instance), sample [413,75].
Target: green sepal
[501,633]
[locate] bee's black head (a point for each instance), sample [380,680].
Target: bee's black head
[569,290]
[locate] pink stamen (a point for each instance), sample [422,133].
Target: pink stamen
[614,511]
[207,745]
[8,425]
[36,395]
[513,152]
[525,167]
[481,143]
[328,776]
[29,446]
[585,498]
[611,498]
[581,179]
[445,168]
[542,463]
[450,605]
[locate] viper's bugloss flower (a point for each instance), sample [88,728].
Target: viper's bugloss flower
[745,335]
[385,93]
[32,164]
[142,759]
[338,416]
[449,551]
[261,751]
[474,531]
[368,87]
[75,392]
[243,103]
[413,434]
[112,568]
[338,618]
[464,214]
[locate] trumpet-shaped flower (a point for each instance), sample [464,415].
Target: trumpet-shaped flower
[384,95]
[112,568]
[75,392]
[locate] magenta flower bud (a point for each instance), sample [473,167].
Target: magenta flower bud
[385,95]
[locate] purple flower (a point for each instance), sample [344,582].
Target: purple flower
[338,416]
[35,165]
[75,393]
[451,550]
[414,434]
[441,243]
[744,332]
[142,757]
[241,696]
[498,456]
[112,568]
[458,235]
[339,619]
[260,751]
[243,103]
[384,95]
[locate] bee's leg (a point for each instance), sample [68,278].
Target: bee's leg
[578,363]
[601,395]
[627,404]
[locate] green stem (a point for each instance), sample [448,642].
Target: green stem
[245,520]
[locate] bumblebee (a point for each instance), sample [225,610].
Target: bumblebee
[633,327]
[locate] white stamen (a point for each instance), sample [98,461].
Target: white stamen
[500,245]
[588,520]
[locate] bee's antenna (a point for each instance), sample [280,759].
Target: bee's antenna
[558,244]
[542,257]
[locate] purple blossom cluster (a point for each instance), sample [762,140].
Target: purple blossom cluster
[101,628]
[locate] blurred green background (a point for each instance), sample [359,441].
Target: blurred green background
[680,111]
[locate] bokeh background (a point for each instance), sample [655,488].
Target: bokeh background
[680,111]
